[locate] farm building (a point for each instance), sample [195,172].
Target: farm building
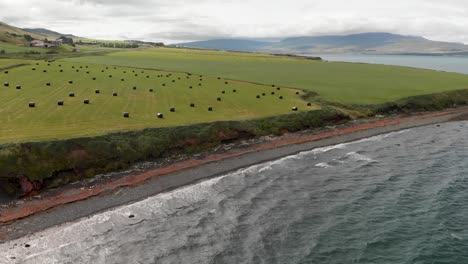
[47,44]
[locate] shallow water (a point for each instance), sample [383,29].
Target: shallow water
[395,198]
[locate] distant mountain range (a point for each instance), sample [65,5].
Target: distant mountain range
[365,43]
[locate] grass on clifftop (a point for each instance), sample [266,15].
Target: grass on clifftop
[104,114]
[348,83]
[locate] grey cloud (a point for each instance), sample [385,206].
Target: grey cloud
[178,21]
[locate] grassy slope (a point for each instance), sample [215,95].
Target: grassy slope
[340,82]
[104,114]
[8,38]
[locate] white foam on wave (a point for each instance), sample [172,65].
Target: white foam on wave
[323,165]
[359,157]
[48,246]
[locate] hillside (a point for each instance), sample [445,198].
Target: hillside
[47,32]
[366,43]
[13,35]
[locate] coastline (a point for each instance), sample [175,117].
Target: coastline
[33,215]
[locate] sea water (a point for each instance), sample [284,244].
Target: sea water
[395,198]
[438,63]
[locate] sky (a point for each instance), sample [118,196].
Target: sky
[176,21]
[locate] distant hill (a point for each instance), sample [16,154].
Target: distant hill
[13,35]
[366,43]
[227,44]
[47,32]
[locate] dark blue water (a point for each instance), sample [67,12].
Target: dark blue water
[396,198]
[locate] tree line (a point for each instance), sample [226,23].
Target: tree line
[119,45]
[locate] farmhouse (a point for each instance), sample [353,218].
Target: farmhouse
[47,44]
[37,43]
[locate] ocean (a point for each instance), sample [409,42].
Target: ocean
[438,63]
[395,198]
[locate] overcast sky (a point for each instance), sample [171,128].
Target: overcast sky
[175,21]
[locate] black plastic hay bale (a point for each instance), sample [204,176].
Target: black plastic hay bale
[126,114]
[136,74]
[172,109]
[32,104]
[219,78]
[273,85]
[201,80]
[210,108]
[60,65]
[114,94]
[97,91]
[163,84]
[294,108]
[234,90]
[297,92]
[73,67]
[263,94]
[134,87]
[18,87]
[258,96]
[122,79]
[272,93]
[199,84]
[6,84]
[124,71]
[60,103]
[173,80]
[151,90]
[133,70]
[94,78]
[81,67]
[178,78]
[61,70]
[192,104]
[6,72]
[72,94]
[309,104]
[115,68]
[37,63]
[33,69]
[107,68]
[159,115]
[77,70]
[147,76]
[44,71]
[70,81]
[86,101]
[190,87]
[278,88]
[102,70]
[281,97]
[86,67]
[48,84]
[218,99]
[225,82]
[48,64]
[110,75]
[87,72]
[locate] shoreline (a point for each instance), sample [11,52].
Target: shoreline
[33,215]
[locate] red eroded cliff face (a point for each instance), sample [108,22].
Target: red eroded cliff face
[28,187]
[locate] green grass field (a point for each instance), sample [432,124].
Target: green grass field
[105,112]
[334,81]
